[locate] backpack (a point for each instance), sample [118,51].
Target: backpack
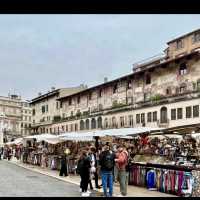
[79,166]
[108,161]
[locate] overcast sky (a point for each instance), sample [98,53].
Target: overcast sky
[41,51]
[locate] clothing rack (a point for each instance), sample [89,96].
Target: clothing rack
[165,175]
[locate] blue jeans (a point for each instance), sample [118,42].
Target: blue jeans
[107,179]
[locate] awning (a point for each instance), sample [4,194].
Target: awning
[41,137]
[110,132]
[17,141]
[126,137]
[175,136]
[53,140]
[83,139]
[157,136]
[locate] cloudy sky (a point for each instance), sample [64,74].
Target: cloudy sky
[41,51]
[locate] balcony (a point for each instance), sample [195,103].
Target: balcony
[159,99]
[41,123]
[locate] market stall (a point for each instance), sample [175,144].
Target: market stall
[167,163]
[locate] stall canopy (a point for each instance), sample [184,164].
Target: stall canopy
[42,137]
[110,132]
[68,138]
[17,141]
[195,135]
[174,136]
[53,140]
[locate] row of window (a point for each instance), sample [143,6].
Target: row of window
[26,118]
[27,111]
[48,118]
[195,38]
[24,125]
[190,112]
[93,124]
[176,113]
[183,69]
[66,128]
[100,92]
[151,117]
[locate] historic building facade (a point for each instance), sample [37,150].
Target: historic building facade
[26,118]
[163,92]
[10,111]
[46,109]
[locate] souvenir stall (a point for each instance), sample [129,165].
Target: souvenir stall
[166,163]
[73,147]
[15,146]
[35,149]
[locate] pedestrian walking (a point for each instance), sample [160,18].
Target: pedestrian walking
[83,168]
[106,161]
[1,152]
[122,163]
[63,169]
[94,172]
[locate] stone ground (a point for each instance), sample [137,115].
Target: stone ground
[19,182]
[18,179]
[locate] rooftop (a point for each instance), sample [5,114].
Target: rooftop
[60,91]
[182,36]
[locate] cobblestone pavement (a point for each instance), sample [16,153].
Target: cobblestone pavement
[19,182]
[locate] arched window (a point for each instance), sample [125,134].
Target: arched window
[163,115]
[168,91]
[148,79]
[87,124]
[66,128]
[99,121]
[183,88]
[82,125]
[183,69]
[93,123]
[114,122]
[100,107]
[76,127]
[198,84]
[106,123]
[115,89]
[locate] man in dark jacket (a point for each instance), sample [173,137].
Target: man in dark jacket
[63,169]
[106,161]
[1,152]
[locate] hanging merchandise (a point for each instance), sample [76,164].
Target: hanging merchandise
[151,180]
[187,183]
[196,183]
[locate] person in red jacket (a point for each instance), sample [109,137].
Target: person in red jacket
[121,163]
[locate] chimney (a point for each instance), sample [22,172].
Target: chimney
[39,93]
[105,79]
[53,88]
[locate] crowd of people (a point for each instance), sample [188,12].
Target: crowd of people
[6,153]
[108,164]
